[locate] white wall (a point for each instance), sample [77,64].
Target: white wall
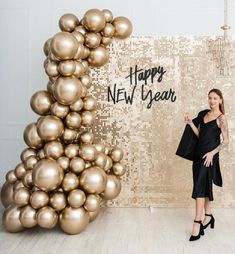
[26,24]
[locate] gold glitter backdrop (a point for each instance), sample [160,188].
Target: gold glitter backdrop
[150,136]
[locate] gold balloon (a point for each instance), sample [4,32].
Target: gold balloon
[87,137]
[51,69]
[63,162]
[93,180]
[116,154]
[106,41]
[80,52]
[69,135]
[20,170]
[30,162]
[108,30]
[98,56]
[64,46]
[11,219]
[50,85]
[109,164]
[86,65]
[88,164]
[107,150]
[77,105]
[58,201]
[47,174]
[92,203]
[53,149]
[73,120]
[68,22]
[73,220]
[88,117]
[93,215]
[108,15]
[41,102]
[67,67]
[79,36]
[39,199]
[99,147]
[41,154]
[79,70]
[46,47]
[70,182]
[84,92]
[50,127]
[118,169]
[81,29]
[76,198]
[92,40]
[86,52]
[51,58]
[11,176]
[89,103]
[28,217]
[112,189]
[123,27]
[47,217]
[17,185]
[71,150]
[59,110]
[31,136]
[101,160]
[26,153]
[94,20]
[21,196]
[7,194]
[77,165]
[67,90]
[88,152]
[28,179]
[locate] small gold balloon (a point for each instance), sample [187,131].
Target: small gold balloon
[47,217]
[77,105]
[79,36]
[21,196]
[69,135]
[88,152]
[88,164]
[108,30]
[18,184]
[58,201]
[51,69]
[107,150]
[11,219]
[94,20]
[79,69]
[11,176]
[63,162]
[50,85]
[28,179]
[73,220]
[109,164]
[123,27]
[86,52]
[92,202]
[30,162]
[81,29]
[67,67]
[84,92]
[20,170]
[68,22]
[88,117]
[53,149]
[41,154]
[46,47]
[28,217]
[26,153]
[52,58]
[47,174]
[77,165]
[50,127]
[70,182]
[118,169]
[99,147]
[73,120]
[112,189]
[80,52]
[101,160]
[64,45]
[108,15]
[7,194]
[31,136]
[89,103]
[106,41]
[86,65]
[76,198]
[71,150]
[92,40]
[98,56]
[116,154]
[39,199]
[87,137]
[93,215]
[59,110]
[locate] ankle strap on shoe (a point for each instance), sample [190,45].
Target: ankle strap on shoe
[198,221]
[208,214]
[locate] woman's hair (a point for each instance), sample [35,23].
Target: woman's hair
[219,93]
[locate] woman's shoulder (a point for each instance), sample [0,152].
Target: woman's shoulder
[202,112]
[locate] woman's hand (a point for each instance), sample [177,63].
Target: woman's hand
[209,159]
[187,119]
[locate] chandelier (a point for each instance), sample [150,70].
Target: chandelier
[222,49]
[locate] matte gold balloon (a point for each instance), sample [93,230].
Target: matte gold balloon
[53,149]
[108,15]
[71,150]
[7,194]
[79,36]
[46,47]
[116,154]
[92,203]
[68,22]
[20,170]
[89,103]
[94,215]
[92,40]
[28,217]
[63,162]
[67,67]
[58,201]
[30,162]
[98,56]
[64,46]
[51,69]
[99,147]
[59,110]
[70,182]
[11,176]
[21,196]
[11,219]
[76,198]
[118,169]
[50,127]
[47,174]
[93,180]
[69,135]
[123,27]
[88,152]
[41,154]
[77,105]
[73,220]
[88,117]
[39,199]
[80,52]
[79,70]
[31,136]
[27,179]
[108,30]
[112,189]
[67,90]
[87,137]
[94,20]
[73,120]
[101,160]
[47,217]
[106,41]
[77,165]
[26,153]
[109,164]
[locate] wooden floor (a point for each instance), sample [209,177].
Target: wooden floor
[129,230]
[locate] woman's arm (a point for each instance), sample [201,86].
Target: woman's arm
[189,121]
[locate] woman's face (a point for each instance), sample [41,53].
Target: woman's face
[214,100]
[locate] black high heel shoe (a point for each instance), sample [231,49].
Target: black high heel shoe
[211,222]
[201,232]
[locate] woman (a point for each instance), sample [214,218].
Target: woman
[207,127]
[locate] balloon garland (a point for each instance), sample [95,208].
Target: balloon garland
[63,175]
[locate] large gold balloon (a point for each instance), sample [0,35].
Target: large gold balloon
[108,15]
[53,149]
[98,56]
[58,201]
[88,118]
[31,137]
[77,165]
[67,90]
[67,67]
[47,217]
[92,40]
[11,176]
[51,69]
[7,194]
[73,220]
[92,202]
[71,150]
[30,162]
[77,105]
[89,103]
[50,127]
[11,219]
[68,22]
[41,102]
[116,154]
[112,189]
[88,152]
[76,198]
[118,169]
[21,196]
[93,180]
[47,174]
[20,170]
[59,110]
[39,199]
[70,182]
[28,217]
[94,20]
[26,153]
[64,46]
[87,137]
[123,27]
[73,120]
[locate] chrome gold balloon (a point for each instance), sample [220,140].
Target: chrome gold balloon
[59,110]
[77,105]
[73,120]
[26,153]
[31,136]
[51,69]
[20,170]
[88,118]
[47,217]
[7,194]
[77,165]
[116,154]
[92,40]
[101,160]
[118,169]
[69,135]
[27,179]
[53,149]
[108,15]
[30,162]
[89,103]
[71,150]
[21,196]
[70,182]
[76,198]
[123,27]
[92,202]
[28,216]
[87,137]
[58,201]
[88,152]
[112,189]
[11,176]
[79,36]
[98,56]
[68,22]
[108,30]
[94,20]
[39,199]
[63,162]
[67,67]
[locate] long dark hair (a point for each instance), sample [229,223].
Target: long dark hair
[219,93]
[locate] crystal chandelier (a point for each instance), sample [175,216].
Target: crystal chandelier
[222,49]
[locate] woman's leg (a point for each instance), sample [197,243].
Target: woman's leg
[200,202]
[207,208]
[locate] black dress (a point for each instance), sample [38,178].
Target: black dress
[194,148]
